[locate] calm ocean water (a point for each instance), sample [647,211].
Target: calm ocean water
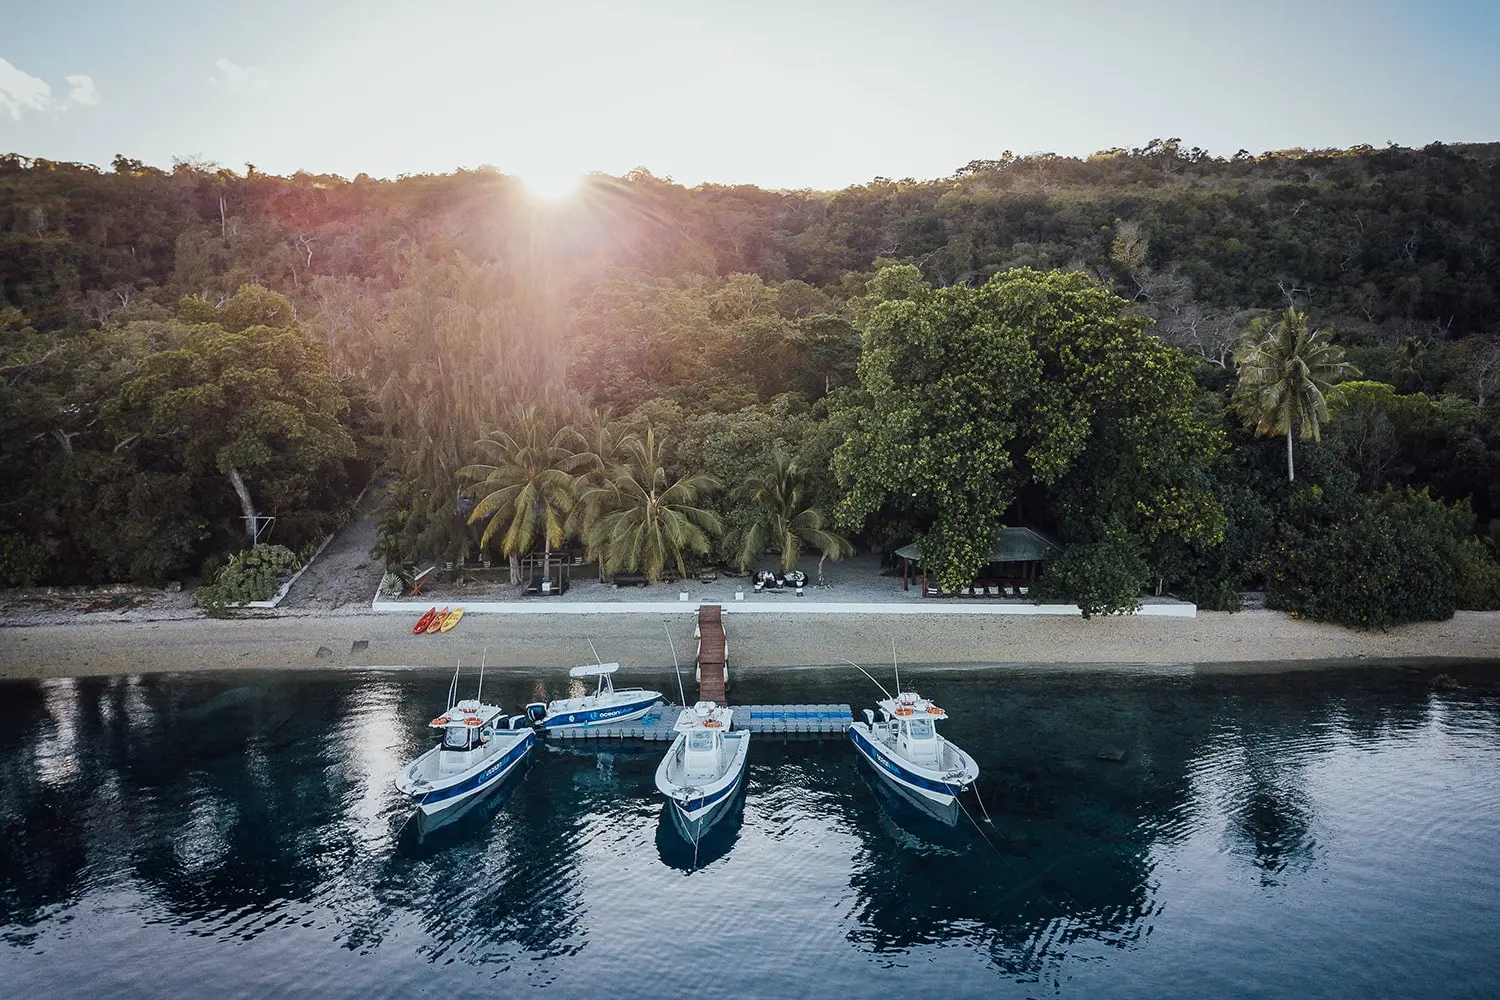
[1332,833]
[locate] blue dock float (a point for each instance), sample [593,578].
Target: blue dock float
[786,720]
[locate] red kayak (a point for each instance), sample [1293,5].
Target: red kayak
[424,621]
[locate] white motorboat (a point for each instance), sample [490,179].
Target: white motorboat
[704,767]
[906,750]
[478,746]
[605,706]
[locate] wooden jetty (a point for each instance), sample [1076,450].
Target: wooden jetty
[787,720]
[713,655]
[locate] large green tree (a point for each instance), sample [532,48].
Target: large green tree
[1036,382]
[254,402]
[1285,373]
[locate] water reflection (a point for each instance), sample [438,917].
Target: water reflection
[250,806]
[678,849]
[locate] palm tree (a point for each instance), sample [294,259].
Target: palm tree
[785,522]
[530,487]
[603,456]
[1285,371]
[644,524]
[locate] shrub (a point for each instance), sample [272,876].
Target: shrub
[1375,561]
[1214,595]
[1102,577]
[250,575]
[1477,576]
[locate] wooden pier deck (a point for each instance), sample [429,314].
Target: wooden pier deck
[787,720]
[713,655]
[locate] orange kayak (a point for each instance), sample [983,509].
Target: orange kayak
[424,621]
[437,622]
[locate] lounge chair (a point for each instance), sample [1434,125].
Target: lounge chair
[416,581]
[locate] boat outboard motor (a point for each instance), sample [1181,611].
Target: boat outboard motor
[536,711]
[869,718]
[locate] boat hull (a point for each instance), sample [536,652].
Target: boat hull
[901,802]
[696,814]
[450,792]
[607,715]
[933,786]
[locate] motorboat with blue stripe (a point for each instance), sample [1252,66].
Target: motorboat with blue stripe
[605,706]
[906,750]
[704,767]
[478,747]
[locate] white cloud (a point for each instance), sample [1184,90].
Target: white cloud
[84,91]
[20,91]
[238,79]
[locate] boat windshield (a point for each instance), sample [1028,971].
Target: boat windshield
[700,740]
[456,738]
[921,729]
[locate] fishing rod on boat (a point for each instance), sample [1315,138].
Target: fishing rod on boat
[453,685]
[480,692]
[675,669]
[896,663]
[862,670]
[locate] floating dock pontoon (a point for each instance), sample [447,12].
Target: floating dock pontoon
[787,720]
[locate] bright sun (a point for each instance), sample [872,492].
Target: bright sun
[550,185]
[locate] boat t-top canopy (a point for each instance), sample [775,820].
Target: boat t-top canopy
[594,670]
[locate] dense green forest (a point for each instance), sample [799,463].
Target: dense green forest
[1201,375]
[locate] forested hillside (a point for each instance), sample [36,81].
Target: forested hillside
[182,350]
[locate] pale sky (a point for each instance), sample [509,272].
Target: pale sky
[815,94]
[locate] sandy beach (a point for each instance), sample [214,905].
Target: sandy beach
[353,639]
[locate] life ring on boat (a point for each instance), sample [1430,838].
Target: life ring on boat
[712,724]
[934,710]
[441,720]
[468,711]
[903,710]
[473,720]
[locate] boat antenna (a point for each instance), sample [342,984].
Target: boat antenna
[478,693]
[896,664]
[862,670]
[680,693]
[453,685]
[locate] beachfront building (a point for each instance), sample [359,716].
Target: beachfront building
[1014,564]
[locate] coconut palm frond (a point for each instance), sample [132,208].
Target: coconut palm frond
[1285,372]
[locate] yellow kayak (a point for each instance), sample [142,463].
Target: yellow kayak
[451,620]
[437,621]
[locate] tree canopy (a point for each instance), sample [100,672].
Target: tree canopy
[1033,391]
[1047,340]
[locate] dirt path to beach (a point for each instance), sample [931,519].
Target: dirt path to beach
[345,574]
